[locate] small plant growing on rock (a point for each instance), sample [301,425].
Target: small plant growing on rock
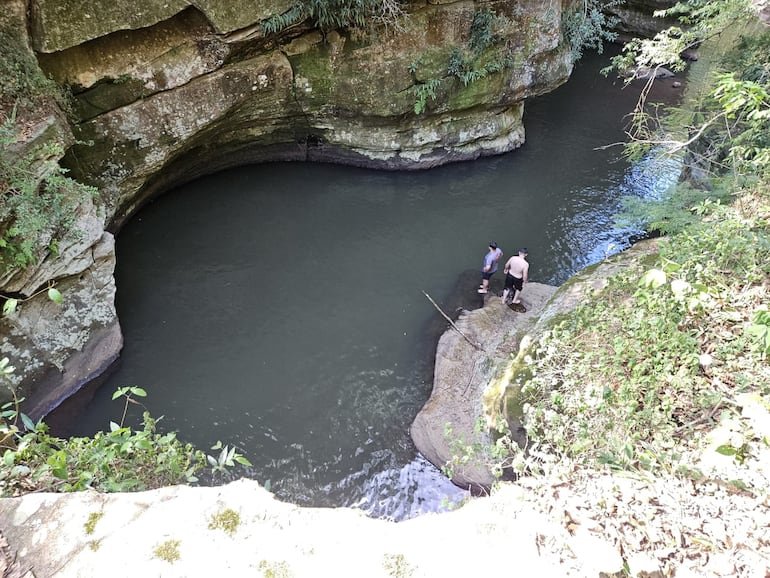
[168,551]
[90,524]
[226,520]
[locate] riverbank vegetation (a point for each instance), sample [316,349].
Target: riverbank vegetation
[663,374]
[123,459]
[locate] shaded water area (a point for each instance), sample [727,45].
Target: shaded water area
[280,307]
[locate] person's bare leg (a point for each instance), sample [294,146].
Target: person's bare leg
[505,295]
[484,286]
[516,297]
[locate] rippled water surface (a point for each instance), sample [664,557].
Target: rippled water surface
[280,307]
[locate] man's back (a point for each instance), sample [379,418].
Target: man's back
[517,266]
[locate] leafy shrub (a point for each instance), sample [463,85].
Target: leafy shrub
[120,460]
[680,207]
[587,26]
[330,14]
[621,381]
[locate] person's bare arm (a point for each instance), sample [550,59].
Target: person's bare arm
[525,273]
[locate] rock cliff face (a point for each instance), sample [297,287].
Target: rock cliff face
[636,17]
[169,93]
[165,92]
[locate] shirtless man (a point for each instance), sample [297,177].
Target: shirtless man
[516,271]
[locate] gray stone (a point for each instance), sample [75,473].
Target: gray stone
[464,373]
[61,24]
[50,534]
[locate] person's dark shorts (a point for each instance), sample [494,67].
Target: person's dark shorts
[487,274]
[513,282]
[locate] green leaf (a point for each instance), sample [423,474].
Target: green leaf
[28,423]
[138,391]
[5,368]
[654,278]
[10,306]
[243,461]
[726,450]
[55,296]
[671,266]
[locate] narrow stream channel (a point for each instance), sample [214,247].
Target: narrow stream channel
[280,307]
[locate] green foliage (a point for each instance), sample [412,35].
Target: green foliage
[331,14]
[729,128]
[227,458]
[11,304]
[279,22]
[473,64]
[90,524]
[423,91]
[760,328]
[619,382]
[39,202]
[680,207]
[398,566]
[587,26]
[120,460]
[483,34]
[22,83]
[496,449]
[700,20]
[274,569]
[746,106]
[480,59]
[469,71]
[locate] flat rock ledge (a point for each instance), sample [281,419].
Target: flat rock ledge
[590,526]
[89,534]
[467,360]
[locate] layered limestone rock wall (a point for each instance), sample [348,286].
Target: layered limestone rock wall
[165,92]
[636,17]
[169,93]
[56,348]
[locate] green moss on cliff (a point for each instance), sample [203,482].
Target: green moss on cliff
[22,83]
